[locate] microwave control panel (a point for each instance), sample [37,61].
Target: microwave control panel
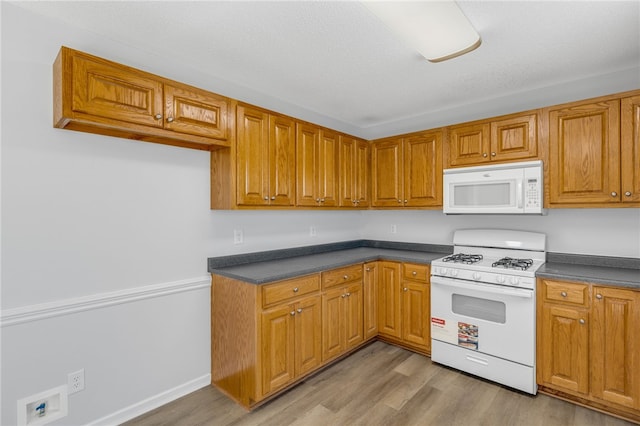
[532,190]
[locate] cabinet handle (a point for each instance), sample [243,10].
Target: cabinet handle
[493,154]
[614,194]
[322,200]
[414,273]
[292,313]
[317,200]
[266,198]
[299,310]
[295,289]
[368,269]
[405,289]
[170,120]
[405,201]
[273,197]
[344,295]
[563,294]
[484,154]
[598,296]
[158,116]
[346,277]
[348,294]
[581,321]
[628,193]
[399,201]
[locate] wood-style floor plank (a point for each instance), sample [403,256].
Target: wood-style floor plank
[382,385]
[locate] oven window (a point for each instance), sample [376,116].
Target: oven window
[474,307]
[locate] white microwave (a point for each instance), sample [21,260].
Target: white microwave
[510,188]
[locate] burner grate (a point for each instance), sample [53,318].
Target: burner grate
[469,259]
[510,263]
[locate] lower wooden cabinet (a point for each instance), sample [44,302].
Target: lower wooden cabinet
[587,344]
[370,297]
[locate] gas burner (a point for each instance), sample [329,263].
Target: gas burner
[469,259]
[509,263]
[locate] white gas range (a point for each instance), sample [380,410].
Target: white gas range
[483,305]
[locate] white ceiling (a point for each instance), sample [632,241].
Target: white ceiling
[336,64]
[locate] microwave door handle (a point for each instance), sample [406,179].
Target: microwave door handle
[519,194]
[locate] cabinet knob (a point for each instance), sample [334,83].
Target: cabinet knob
[493,154]
[273,197]
[581,321]
[614,194]
[598,296]
[299,310]
[346,277]
[317,200]
[399,201]
[348,294]
[322,200]
[414,273]
[344,295]
[295,289]
[563,294]
[292,313]
[158,116]
[368,269]
[405,201]
[405,289]
[628,193]
[170,120]
[266,198]
[484,154]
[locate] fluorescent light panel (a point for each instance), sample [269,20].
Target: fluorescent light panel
[437,29]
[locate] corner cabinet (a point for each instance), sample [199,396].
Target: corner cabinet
[407,171]
[354,172]
[587,345]
[265,158]
[95,95]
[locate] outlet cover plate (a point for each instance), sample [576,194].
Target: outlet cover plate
[75,381]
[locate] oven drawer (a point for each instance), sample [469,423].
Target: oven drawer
[414,271]
[572,293]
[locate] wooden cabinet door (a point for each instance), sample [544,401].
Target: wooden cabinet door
[327,169]
[333,323]
[370,297]
[308,335]
[514,138]
[416,313]
[615,349]
[469,144]
[423,170]
[387,173]
[194,111]
[362,174]
[116,92]
[347,171]
[307,144]
[252,156]
[630,149]
[282,160]
[278,347]
[353,313]
[565,348]
[584,154]
[389,299]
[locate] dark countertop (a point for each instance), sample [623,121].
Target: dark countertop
[276,265]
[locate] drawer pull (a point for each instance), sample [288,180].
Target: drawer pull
[563,294]
[295,289]
[346,277]
[581,321]
[292,313]
[299,310]
[598,296]
[414,273]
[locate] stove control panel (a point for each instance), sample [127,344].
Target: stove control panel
[485,277]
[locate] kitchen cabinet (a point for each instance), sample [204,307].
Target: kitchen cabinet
[587,346]
[404,304]
[316,166]
[342,310]
[354,172]
[370,296]
[507,138]
[407,171]
[94,95]
[630,149]
[265,158]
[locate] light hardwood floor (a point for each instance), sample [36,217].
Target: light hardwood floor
[382,385]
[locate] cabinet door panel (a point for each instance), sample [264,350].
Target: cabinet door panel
[116,93]
[615,348]
[565,343]
[416,318]
[362,173]
[630,149]
[282,160]
[332,323]
[423,170]
[387,172]
[307,141]
[195,112]
[514,138]
[308,335]
[389,299]
[469,144]
[584,154]
[353,316]
[278,350]
[252,156]
[327,170]
[347,169]
[370,283]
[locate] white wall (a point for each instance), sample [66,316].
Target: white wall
[105,240]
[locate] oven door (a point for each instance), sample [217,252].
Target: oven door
[490,319]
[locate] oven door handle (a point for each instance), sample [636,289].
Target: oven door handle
[485,288]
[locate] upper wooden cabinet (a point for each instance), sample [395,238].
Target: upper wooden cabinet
[265,158]
[591,164]
[354,172]
[407,171]
[316,166]
[508,138]
[99,96]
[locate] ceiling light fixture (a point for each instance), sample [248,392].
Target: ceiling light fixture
[437,29]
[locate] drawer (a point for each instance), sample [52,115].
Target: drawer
[285,290]
[414,271]
[559,291]
[342,275]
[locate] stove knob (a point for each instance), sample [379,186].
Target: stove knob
[442,271]
[476,276]
[515,280]
[454,273]
[500,279]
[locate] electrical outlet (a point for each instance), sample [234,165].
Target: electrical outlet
[75,381]
[238,236]
[394,229]
[312,231]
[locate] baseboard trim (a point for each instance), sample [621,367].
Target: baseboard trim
[153,402]
[42,311]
